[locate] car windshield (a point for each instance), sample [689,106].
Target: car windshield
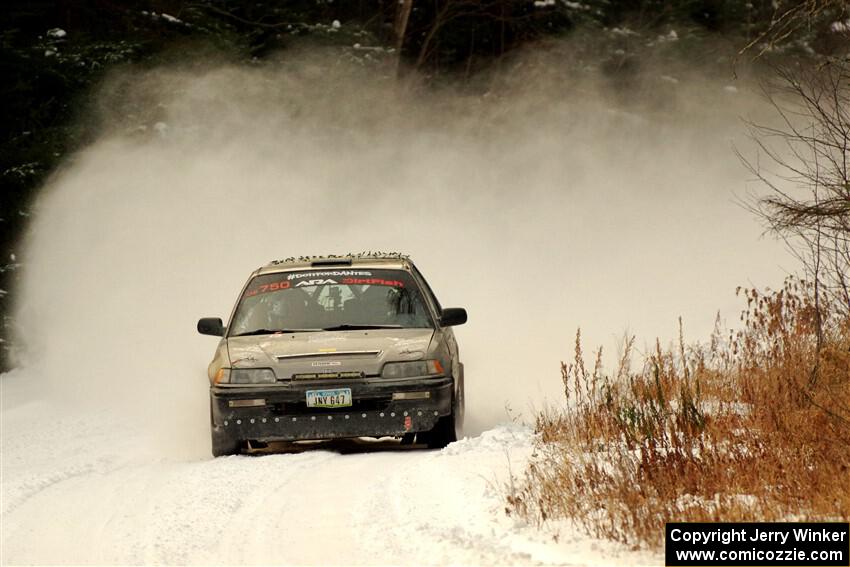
[315,300]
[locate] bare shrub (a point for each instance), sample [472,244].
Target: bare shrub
[804,163]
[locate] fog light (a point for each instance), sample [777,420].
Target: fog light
[411,395]
[246,403]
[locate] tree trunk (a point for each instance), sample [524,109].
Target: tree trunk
[402,16]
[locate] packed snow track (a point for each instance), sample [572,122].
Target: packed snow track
[83,488]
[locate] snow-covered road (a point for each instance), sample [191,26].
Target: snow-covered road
[82,488]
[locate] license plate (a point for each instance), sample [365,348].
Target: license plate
[338,398]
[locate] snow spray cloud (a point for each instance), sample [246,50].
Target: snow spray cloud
[542,206]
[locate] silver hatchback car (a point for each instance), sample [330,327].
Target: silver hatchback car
[330,347]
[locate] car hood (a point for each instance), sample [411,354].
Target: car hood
[328,352]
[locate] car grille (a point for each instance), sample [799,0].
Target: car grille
[327,375]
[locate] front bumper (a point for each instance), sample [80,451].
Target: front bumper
[284,415]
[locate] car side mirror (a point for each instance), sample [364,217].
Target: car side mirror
[211,326]
[453,316]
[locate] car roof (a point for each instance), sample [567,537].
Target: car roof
[377,260]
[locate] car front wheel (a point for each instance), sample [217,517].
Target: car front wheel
[444,432]
[221,447]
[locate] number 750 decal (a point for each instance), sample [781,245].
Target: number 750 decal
[273,286]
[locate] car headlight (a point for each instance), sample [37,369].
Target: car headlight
[249,376]
[412,369]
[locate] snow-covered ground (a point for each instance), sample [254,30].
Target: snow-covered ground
[90,487]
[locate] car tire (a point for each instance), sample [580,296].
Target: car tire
[407,438]
[442,434]
[224,447]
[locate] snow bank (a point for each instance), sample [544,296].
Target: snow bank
[502,437]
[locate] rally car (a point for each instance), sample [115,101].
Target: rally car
[334,347]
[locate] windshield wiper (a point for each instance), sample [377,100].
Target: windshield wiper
[273,332]
[360,327]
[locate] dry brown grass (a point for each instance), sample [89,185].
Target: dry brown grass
[754,426]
